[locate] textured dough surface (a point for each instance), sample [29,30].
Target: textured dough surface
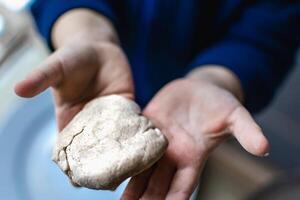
[107,142]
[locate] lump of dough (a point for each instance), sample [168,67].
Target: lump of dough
[107,142]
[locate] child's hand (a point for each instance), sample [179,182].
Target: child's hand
[196,114]
[79,72]
[88,63]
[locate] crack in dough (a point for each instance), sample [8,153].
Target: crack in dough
[107,142]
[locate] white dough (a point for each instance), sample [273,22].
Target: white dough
[107,142]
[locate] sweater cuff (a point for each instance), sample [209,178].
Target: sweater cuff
[49,11]
[250,64]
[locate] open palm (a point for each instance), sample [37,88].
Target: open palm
[195,116]
[79,72]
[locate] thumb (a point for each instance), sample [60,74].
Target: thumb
[247,132]
[49,73]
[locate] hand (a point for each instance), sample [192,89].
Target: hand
[83,67]
[196,114]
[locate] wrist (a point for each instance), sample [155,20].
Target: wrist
[82,25]
[220,76]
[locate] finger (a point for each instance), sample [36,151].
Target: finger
[48,74]
[248,133]
[183,184]
[137,185]
[160,180]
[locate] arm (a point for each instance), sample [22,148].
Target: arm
[202,109]
[259,48]
[83,23]
[81,67]
[220,76]
[46,13]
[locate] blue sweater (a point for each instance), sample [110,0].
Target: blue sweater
[165,39]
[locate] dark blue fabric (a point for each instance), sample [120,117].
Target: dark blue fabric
[165,39]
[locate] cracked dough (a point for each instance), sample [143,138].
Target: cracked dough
[107,142]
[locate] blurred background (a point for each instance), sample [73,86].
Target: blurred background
[27,131]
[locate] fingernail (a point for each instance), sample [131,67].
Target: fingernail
[266,154]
